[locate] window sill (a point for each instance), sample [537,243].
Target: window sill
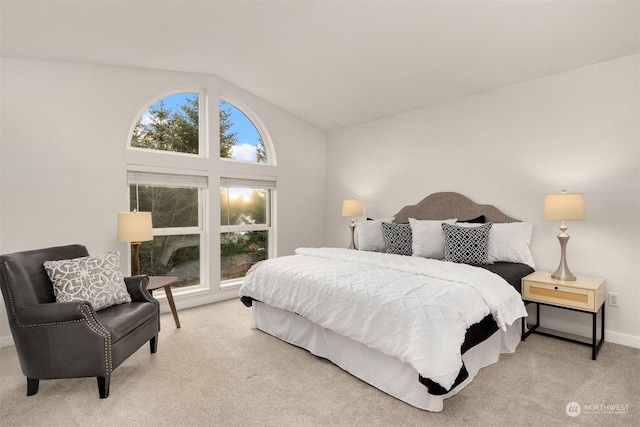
[231,284]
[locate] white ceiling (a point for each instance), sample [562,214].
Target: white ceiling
[333,64]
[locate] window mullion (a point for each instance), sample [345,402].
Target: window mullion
[241,228]
[176,231]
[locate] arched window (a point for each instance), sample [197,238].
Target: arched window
[171,123]
[239,136]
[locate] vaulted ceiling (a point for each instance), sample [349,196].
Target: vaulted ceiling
[333,64]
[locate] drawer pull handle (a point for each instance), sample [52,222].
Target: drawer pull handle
[556,288]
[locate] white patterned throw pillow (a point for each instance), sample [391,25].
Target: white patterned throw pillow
[96,279]
[467,245]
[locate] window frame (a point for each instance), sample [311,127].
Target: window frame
[181,179]
[270,185]
[209,164]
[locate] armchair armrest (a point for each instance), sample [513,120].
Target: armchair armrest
[137,287]
[55,312]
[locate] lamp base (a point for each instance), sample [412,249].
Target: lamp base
[352,226]
[563,272]
[136,258]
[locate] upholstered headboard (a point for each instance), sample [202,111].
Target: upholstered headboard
[448,205]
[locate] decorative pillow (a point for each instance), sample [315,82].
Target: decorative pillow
[467,245]
[428,238]
[397,237]
[96,279]
[369,235]
[509,242]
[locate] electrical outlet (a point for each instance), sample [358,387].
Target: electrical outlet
[613,299]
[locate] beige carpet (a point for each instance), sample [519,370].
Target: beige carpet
[216,371]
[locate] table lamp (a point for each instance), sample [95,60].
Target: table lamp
[135,227]
[352,208]
[564,207]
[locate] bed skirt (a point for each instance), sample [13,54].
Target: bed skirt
[384,372]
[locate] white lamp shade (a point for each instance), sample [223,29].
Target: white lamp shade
[564,206]
[352,208]
[135,226]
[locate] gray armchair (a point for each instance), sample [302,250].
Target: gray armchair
[71,339]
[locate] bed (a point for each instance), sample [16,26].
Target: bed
[417,327]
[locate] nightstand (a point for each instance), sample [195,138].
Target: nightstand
[584,294]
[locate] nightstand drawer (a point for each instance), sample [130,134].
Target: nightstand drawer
[584,294]
[559,295]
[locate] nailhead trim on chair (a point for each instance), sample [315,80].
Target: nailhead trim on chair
[36,325]
[93,323]
[6,280]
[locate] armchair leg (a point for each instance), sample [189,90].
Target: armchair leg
[153,343]
[32,386]
[103,386]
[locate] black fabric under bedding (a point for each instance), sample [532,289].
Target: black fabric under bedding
[511,272]
[478,332]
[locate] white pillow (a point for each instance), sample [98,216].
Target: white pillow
[428,237]
[509,242]
[369,235]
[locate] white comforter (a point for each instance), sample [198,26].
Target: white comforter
[414,309]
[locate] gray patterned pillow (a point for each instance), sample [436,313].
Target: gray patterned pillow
[96,279]
[397,237]
[467,245]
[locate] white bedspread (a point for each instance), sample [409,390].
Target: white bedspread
[414,309]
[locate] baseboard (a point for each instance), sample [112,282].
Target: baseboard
[6,341]
[622,339]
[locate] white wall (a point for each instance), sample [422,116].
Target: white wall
[577,131]
[63,159]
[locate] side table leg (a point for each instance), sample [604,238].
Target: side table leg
[167,290]
[596,345]
[602,330]
[594,336]
[532,328]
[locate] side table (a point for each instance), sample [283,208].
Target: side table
[585,294]
[165,282]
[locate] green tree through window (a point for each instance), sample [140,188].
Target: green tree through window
[175,211]
[170,124]
[173,124]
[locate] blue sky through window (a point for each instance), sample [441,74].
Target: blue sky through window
[248,136]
